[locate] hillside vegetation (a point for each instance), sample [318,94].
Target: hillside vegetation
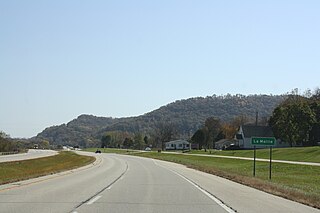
[185,115]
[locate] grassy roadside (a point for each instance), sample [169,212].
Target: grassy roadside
[305,154]
[23,170]
[296,182]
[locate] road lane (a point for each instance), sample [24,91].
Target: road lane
[118,183]
[240,197]
[31,154]
[146,187]
[61,192]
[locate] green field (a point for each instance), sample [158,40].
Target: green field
[296,182]
[22,170]
[305,154]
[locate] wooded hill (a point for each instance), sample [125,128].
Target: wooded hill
[185,115]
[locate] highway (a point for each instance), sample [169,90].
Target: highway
[119,183]
[31,154]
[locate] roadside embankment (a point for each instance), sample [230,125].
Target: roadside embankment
[26,169]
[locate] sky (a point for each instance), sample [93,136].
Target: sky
[60,59]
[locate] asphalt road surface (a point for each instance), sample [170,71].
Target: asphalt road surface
[118,183]
[31,154]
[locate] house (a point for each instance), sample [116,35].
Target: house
[177,145]
[246,132]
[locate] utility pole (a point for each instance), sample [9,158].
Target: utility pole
[257,116]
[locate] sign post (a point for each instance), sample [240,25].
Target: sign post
[270,162]
[254,161]
[262,141]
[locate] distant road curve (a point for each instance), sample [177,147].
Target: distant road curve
[31,154]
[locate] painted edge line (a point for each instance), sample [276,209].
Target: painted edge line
[212,197]
[208,194]
[94,200]
[105,188]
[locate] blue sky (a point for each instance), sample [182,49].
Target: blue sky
[60,59]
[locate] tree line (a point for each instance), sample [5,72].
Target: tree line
[8,144]
[124,140]
[214,130]
[297,119]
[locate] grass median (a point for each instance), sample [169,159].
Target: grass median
[296,182]
[23,170]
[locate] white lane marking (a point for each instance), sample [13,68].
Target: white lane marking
[219,202]
[228,209]
[109,187]
[93,200]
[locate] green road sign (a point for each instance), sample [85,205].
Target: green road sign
[263,141]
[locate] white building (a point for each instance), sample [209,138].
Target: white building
[177,145]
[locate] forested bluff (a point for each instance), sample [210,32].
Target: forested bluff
[186,116]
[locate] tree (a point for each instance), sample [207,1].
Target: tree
[4,135]
[305,120]
[316,95]
[44,144]
[146,140]
[240,120]
[230,129]
[138,142]
[127,143]
[315,131]
[105,141]
[116,138]
[6,144]
[164,132]
[199,137]
[282,128]
[220,136]
[212,128]
[293,121]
